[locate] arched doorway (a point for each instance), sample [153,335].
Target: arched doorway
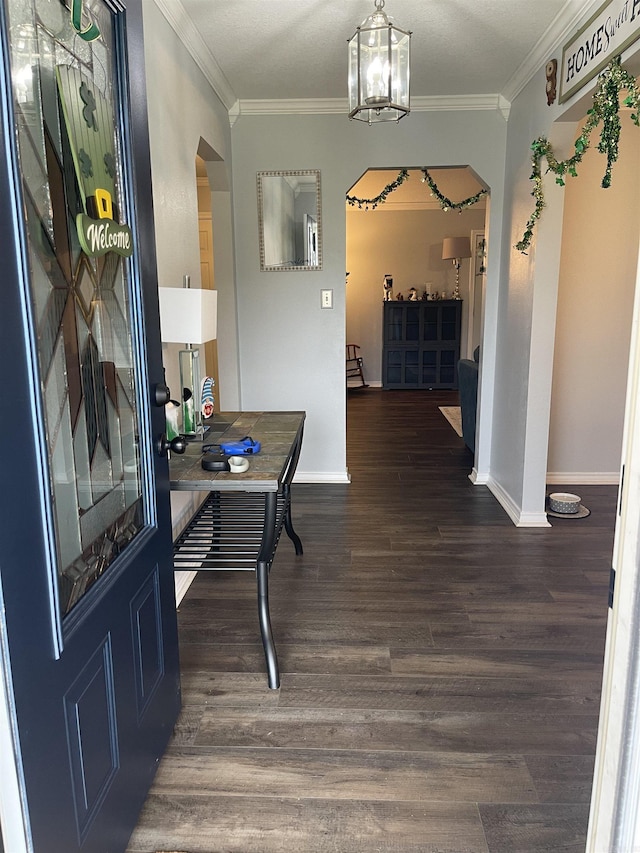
[403,237]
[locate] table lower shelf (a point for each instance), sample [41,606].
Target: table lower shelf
[240,531]
[227,533]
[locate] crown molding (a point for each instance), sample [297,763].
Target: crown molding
[443,103]
[185,29]
[292,106]
[339,106]
[564,25]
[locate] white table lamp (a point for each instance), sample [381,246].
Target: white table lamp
[189,316]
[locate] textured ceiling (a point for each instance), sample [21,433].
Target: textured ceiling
[297,49]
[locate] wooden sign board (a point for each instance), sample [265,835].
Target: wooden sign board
[611,30]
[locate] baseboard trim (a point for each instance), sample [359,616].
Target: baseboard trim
[519,518]
[183,581]
[374,383]
[478,479]
[584,478]
[340,477]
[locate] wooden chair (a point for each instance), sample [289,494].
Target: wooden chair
[354,367]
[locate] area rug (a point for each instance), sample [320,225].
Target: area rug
[454,416]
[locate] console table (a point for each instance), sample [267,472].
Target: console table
[239,524]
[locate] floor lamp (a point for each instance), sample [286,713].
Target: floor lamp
[189,316]
[454,249]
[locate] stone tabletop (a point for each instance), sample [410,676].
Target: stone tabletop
[277,433]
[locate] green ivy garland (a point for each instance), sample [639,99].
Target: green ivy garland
[403,175]
[379,199]
[605,109]
[446,203]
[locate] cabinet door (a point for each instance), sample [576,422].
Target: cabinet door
[393,322]
[440,345]
[402,322]
[401,368]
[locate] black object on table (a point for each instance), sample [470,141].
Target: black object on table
[238,526]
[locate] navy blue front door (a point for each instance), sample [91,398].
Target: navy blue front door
[88,636]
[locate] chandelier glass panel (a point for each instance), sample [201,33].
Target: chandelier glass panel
[379,57]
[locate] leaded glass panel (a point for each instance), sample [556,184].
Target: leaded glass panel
[65,103]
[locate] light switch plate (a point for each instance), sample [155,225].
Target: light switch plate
[326,298]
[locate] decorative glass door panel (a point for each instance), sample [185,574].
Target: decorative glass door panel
[66,105]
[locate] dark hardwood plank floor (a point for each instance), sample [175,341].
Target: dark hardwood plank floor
[441,668]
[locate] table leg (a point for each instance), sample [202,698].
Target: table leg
[273,674]
[262,574]
[288,524]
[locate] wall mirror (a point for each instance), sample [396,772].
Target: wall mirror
[289,220]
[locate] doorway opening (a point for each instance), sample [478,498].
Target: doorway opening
[402,239]
[413,313]
[207,269]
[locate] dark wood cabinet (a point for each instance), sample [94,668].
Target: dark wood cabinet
[421,344]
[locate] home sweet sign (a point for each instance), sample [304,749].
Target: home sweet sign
[611,30]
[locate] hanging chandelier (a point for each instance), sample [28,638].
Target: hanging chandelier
[379,69]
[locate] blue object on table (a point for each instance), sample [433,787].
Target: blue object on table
[245,447]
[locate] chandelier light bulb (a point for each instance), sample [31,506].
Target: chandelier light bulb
[379,54]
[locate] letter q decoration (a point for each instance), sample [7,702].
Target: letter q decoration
[88,117]
[88,33]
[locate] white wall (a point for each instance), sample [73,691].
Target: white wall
[595,306]
[292,351]
[183,110]
[408,245]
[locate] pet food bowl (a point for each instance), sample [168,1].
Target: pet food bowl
[564,502]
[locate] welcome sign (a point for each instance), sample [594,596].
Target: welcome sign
[613,28]
[88,118]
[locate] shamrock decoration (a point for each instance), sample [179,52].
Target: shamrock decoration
[86,166]
[110,165]
[90,106]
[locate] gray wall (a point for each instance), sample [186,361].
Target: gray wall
[291,350]
[183,110]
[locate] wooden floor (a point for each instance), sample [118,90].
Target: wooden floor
[440,668]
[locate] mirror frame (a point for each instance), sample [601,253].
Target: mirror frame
[260,185]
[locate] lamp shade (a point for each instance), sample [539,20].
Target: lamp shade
[188,315]
[455,247]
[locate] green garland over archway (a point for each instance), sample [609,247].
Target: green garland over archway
[446,203]
[605,109]
[372,203]
[403,175]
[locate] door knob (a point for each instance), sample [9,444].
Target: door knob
[176,445]
[161,394]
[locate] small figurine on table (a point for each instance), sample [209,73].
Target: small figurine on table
[413,294]
[207,397]
[387,288]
